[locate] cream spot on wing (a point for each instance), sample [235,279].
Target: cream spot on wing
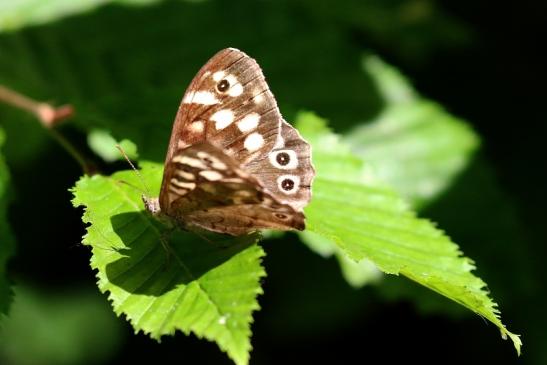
[187,99]
[193,162]
[215,162]
[197,126]
[223,118]
[211,175]
[231,79]
[279,142]
[236,90]
[182,144]
[200,97]
[253,142]
[249,122]
[258,99]
[219,75]
[236,180]
[185,185]
[185,175]
[172,189]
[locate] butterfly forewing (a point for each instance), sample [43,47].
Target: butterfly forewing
[233,164]
[229,105]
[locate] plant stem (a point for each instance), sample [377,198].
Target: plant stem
[49,117]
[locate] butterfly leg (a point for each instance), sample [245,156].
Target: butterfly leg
[164,241]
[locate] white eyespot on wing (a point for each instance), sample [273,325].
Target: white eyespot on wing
[249,122]
[192,162]
[197,126]
[223,118]
[211,175]
[185,175]
[284,159]
[200,97]
[219,75]
[288,184]
[253,142]
[184,185]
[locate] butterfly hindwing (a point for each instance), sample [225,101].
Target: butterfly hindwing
[207,189]
[286,171]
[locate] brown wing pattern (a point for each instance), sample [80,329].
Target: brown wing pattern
[207,189]
[228,101]
[233,164]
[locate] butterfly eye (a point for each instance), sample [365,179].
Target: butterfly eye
[223,85]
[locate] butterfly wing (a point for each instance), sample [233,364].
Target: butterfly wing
[229,114]
[206,188]
[286,171]
[229,105]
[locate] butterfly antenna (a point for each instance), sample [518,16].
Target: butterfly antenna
[147,191]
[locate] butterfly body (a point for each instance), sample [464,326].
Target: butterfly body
[233,164]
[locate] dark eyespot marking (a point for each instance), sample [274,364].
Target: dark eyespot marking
[223,85]
[281,216]
[283,158]
[287,184]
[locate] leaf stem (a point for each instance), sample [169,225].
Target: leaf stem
[50,117]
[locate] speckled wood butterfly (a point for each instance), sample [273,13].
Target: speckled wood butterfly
[233,165]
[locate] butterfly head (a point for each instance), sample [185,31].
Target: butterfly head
[152,205]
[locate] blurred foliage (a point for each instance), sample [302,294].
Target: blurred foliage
[413,144]
[7,244]
[58,329]
[125,69]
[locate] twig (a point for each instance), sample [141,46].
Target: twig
[49,117]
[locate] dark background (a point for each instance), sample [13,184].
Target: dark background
[481,60]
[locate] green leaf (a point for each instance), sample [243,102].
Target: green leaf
[104,145]
[52,328]
[356,274]
[7,242]
[208,287]
[414,144]
[368,220]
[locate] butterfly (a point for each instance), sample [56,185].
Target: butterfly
[233,164]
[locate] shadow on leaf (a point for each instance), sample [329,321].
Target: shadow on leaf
[147,268]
